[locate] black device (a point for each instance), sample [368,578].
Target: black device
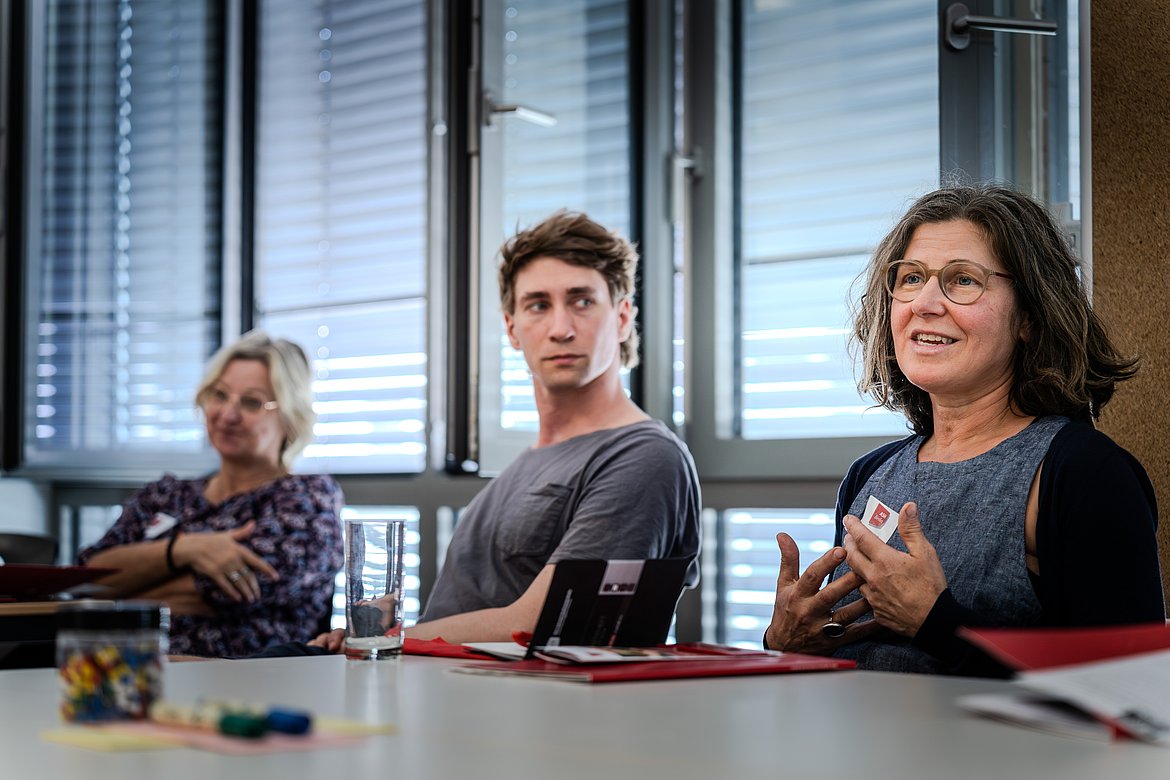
[618,603]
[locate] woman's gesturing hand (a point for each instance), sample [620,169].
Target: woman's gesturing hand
[803,607]
[222,556]
[901,588]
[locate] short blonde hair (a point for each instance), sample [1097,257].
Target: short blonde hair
[288,371]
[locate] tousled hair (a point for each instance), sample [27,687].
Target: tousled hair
[574,238]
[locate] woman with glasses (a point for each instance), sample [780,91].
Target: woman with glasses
[247,556]
[1007,507]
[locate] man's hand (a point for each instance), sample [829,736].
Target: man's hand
[333,641]
[901,588]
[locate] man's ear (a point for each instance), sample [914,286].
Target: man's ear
[625,318]
[510,328]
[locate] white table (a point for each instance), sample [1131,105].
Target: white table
[825,725]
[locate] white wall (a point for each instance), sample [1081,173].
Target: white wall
[23,507]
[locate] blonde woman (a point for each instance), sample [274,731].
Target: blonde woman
[245,557]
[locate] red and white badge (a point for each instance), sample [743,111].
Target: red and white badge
[880,519]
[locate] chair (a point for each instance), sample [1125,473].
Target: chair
[27,548]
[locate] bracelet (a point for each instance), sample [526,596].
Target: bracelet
[171,553]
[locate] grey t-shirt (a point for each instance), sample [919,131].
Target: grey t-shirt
[620,493]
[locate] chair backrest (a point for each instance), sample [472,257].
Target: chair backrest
[27,548]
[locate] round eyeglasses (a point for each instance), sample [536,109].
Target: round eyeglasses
[217,398]
[962,281]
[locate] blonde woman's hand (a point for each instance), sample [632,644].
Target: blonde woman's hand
[223,557]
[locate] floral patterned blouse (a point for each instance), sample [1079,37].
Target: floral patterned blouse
[298,531]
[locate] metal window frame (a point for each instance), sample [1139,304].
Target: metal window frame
[12,85]
[712,259]
[650,88]
[709,139]
[24,244]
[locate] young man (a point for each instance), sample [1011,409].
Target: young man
[603,480]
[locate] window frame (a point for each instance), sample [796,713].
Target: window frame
[650,51]
[12,91]
[25,57]
[711,254]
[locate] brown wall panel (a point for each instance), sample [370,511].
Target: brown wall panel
[1130,84]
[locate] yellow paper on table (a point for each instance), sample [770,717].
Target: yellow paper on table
[353,728]
[107,740]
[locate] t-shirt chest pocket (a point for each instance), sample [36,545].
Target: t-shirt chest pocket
[532,525]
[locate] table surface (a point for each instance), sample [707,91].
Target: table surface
[851,724]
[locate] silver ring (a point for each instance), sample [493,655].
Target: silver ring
[235,576]
[833,629]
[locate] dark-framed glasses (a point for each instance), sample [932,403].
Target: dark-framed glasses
[962,281]
[217,398]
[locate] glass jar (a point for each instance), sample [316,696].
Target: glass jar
[109,658]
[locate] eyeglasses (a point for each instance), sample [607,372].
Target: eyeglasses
[962,281]
[217,398]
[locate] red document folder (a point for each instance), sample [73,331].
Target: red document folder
[662,670]
[440,649]
[1025,649]
[25,581]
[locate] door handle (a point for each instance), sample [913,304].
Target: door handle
[959,23]
[518,110]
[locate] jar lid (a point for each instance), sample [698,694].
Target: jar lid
[117,615]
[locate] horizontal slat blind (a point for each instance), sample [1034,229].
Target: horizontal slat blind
[749,562]
[124,275]
[569,59]
[341,219]
[839,130]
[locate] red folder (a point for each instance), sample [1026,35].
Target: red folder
[1025,649]
[440,649]
[25,581]
[662,670]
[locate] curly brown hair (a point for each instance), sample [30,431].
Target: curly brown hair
[576,239]
[1067,365]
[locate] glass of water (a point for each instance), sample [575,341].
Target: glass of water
[373,588]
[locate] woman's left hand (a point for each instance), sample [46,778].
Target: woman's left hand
[901,588]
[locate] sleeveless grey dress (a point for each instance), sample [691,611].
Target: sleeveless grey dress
[973,513]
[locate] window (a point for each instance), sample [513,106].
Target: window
[123,169]
[838,127]
[568,63]
[341,213]
[745,565]
[821,123]
[836,123]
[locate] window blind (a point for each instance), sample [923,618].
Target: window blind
[340,261]
[569,59]
[838,132]
[748,561]
[124,256]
